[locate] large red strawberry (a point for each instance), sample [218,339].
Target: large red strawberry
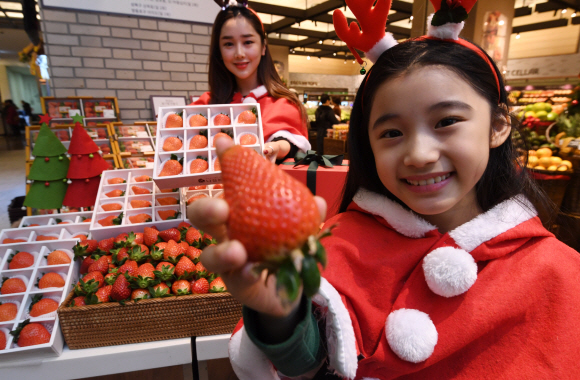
[174,121]
[121,289]
[185,268]
[248,117]
[120,255]
[106,245]
[172,252]
[150,236]
[173,166]
[193,254]
[172,143]
[87,261]
[192,235]
[285,229]
[164,271]
[130,267]
[199,141]
[20,260]
[200,286]
[217,286]
[197,121]
[222,119]
[170,234]
[85,248]
[30,334]
[199,165]
[144,277]
[101,265]
[223,134]
[160,290]
[181,287]
[140,294]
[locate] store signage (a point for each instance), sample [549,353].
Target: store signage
[202,11]
[302,83]
[524,72]
[557,66]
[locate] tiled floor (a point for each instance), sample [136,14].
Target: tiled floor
[12,175]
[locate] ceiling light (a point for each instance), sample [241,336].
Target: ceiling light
[334,54]
[333,41]
[573,14]
[319,59]
[501,22]
[411,18]
[345,61]
[308,58]
[320,42]
[518,36]
[564,11]
[353,61]
[292,51]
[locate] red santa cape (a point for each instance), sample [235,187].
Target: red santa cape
[280,118]
[496,298]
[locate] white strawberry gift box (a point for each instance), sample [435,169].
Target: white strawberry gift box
[214,114]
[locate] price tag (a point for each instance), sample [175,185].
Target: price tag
[150,165]
[109,113]
[73,112]
[146,148]
[63,109]
[142,134]
[99,108]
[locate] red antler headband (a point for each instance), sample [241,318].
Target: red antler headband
[445,24]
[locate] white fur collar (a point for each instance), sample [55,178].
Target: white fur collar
[256,94]
[403,221]
[468,236]
[496,221]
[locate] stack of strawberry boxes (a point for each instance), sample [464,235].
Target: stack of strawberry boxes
[37,270]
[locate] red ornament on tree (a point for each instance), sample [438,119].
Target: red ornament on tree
[46,159]
[574,102]
[46,183]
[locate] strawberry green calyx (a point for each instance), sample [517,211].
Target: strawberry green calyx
[137,254]
[255,111]
[176,216]
[156,254]
[141,282]
[159,292]
[203,132]
[35,299]
[165,274]
[117,221]
[16,332]
[89,287]
[228,132]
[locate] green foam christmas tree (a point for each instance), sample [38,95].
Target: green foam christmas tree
[48,174]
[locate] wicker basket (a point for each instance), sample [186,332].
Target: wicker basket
[148,320]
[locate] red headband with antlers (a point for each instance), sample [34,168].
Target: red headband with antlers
[445,24]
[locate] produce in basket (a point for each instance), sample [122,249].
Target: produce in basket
[166,257]
[286,243]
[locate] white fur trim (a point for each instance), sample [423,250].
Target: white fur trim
[249,99]
[449,271]
[300,141]
[255,94]
[493,223]
[411,335]
[384,44]
[403,221]
[339,331]
[248,362]
[449,31]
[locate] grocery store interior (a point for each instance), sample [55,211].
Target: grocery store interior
[116,67]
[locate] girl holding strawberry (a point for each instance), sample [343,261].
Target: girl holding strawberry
[241,70]
[438,267]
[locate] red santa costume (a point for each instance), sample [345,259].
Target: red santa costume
[496,298]
[280,118]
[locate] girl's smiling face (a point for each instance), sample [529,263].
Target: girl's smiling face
[430,133]
[241,50]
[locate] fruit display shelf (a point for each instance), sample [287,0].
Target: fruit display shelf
[95,110]
[51,220]
[15,236]
[185,123]
[134,203]
[23,300]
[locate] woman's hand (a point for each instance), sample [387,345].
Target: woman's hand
[275,150]
[230,260]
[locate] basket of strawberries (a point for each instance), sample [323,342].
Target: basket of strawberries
[145,286]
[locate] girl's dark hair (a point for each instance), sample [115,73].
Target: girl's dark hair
[502,179]
[222,83]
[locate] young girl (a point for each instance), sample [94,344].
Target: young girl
[439,267]
[241,70]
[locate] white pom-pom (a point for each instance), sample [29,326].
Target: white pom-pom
[449,271]
[32,157]
[411,335]
[384,44]
[23,208]
[449,31]
[69,181]
[28,181]
[100,152]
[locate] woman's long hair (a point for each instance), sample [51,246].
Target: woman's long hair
[502,179]
[222,83]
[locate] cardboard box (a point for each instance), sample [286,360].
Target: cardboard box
[327,182]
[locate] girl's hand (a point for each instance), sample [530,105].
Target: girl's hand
[230,260]
[275,150]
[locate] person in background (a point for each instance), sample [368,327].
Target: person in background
[325,119]
[11,117]
[27,108]
[241,70]
[336,100]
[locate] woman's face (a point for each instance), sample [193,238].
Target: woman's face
[241,48]
[430,133]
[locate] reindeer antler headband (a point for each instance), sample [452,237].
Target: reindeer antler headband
[225,4]
[445,24]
